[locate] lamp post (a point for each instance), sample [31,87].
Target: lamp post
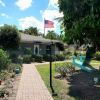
[53,92]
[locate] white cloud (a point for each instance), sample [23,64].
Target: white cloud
[5,15]
[51,13]
[24,4]
[53,4]
[2,3]
[27,22]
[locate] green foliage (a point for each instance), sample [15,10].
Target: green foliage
[3,91]
[46,57]
[27,58]
[97,55]
[9,37]
[13,66]
[20,59]
[31,31]
[81,21]
[13,56]
[27,51]
[4,60]
[38,58]
[57,57]
[60,57]
[62,70]
[4,75]
[65,69]
[52,35]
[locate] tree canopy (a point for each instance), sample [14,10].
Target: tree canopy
[52,35]
[9,36]
[81,21]
[32,31]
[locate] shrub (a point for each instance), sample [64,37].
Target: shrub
[65,69]
[27,51]
[39,58]
[13,66]
[3,91]
[62,70]
[20,59]
[47,57]
[13,56]
[27,58]
[60,57]
[4,60]
[4,75]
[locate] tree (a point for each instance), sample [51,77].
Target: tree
[9,37]
[52,35]
[32,31]
[81,21]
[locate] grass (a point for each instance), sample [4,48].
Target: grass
[95,61]
[61,87]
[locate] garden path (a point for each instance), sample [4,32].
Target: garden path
[31,86]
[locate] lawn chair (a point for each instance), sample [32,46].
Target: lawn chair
[82,63]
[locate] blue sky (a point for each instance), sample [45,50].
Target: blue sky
[26,13]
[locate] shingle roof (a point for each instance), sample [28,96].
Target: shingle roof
[30,39]
[25,38]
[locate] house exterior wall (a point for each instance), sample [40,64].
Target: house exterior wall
[26,45]
[42,48]
[57,50]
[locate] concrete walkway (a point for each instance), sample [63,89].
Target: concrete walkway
[31,86]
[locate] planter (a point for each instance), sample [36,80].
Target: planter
[17,70]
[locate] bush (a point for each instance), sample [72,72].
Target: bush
[27,51]
[65,69]
[13,56]
[13,66]
[4,60]
[20,59]
[3,91]
[38,58]
[27,58]
[47,57]
[60,57]
[4,75]
[62,70]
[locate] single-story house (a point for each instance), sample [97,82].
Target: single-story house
[40,45]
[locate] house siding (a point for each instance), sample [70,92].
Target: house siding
[42,48]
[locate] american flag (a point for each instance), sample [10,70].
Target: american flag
[48,24]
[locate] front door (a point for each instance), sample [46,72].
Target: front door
[36,49]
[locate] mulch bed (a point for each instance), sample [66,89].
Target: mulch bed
[82,86]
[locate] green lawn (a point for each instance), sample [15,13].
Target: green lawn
[60,86]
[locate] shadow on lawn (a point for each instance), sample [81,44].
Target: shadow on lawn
[82,86]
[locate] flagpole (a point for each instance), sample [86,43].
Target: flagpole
[44,27]
[44,30]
